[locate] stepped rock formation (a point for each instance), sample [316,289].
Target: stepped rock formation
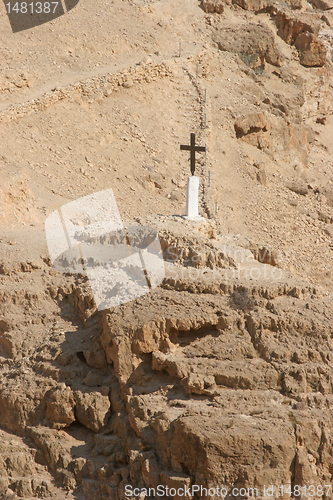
[218,380]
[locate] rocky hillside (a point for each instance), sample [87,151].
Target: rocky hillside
[222,376]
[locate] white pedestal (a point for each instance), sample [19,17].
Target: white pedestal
[192,199]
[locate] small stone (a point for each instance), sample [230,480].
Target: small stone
[329,231]
[298,187]
[94,379]
[211,6]
[128,83]
[261,177]
[174,196]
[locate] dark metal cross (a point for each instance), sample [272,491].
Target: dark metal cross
[193,148]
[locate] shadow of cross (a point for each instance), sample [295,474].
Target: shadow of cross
[193,148]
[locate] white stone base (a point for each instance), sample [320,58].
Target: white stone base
[198,218]
[192,199]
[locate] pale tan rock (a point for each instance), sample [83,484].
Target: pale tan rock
[261,177]
[150,472]
[95,358]
[56,446]
[128,83]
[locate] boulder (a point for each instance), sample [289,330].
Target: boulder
[254,129]
[60,407]
[211,6]
[298,188]
[178,481]
[312,52]
[328,18]
[93,408]
[290,26]
[95,358]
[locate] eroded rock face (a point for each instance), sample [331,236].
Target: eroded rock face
[252,372]
[269,132]
[254,129]
[301,32]
[290,26]
[254,43]
[212,382]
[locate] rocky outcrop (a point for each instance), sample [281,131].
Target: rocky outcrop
[241,363]
[254,129]
[254,43]
[290,26]
[21,472]
[302,33]
[272,134]
[60,407]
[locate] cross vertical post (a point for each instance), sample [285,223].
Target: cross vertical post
[193,149]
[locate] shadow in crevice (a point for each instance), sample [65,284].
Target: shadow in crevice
[185,338]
